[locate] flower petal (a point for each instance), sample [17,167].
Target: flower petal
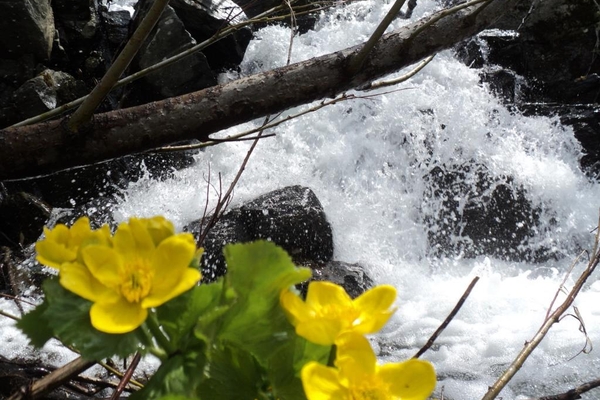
[187,280]
[53,253]
[321,383]
[374,307]
[133,241]
[79,231]
[118,317]
[104,263]
[321,293]
[320,331]
[159,228]
[355,357]
[294,307]
[409,380]
[171,260]
[76,278]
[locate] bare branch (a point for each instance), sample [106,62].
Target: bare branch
[449,318]
[83,114]
[541,333]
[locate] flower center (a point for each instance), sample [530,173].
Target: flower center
[370,389]
[137,280]
[336,312]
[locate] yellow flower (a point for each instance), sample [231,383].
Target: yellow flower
[62,244]
[145,267]
[329,311]
[359,377]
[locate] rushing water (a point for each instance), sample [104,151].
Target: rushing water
[366,159]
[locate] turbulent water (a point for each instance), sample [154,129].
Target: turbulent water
[367,159]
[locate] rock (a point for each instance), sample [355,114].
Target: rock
[48,90]
[305,22]
[167,39]
[80,186]
[202,19]
[471,213]
[585,121]
[292,218]
[553,47]
[23,217]
[27,28]
[116,24]
[79,33]
[352,277]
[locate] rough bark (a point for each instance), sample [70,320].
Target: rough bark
[47,147]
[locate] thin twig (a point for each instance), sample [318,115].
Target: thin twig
[357,61]
[573,393]
[126,377]
[226,199]
[82,115]
[53,380]
[400,79]
[449,318]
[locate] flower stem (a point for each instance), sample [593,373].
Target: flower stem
[160,337]
[331,360]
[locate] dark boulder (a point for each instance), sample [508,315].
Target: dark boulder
[46,91]
[27,28]
[182,25]
[469,212]
[351,277]
[292,218]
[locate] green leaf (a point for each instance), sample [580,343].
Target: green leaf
[233,375]
[258,272]
[68,317]
[177,377]
[180,316]
[35,325]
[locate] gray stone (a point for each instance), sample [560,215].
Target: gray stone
[202,19]
[352,277]
[46,91]
[168,38]
[291,217]
[27,28]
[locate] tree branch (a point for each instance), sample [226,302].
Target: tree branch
[44,148]
[82,115]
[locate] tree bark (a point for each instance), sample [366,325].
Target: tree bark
[47,147]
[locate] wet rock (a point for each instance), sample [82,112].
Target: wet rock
[552,46]
[116,25]
[291,217]
[48,90]
[203,19]
[79,186]
[304,22]
[585,121]
[471,213]
[352,277]
[27,28]
[23,216]
[168,38]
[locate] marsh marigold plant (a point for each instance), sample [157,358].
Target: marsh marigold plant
[329,311]
[143,265]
